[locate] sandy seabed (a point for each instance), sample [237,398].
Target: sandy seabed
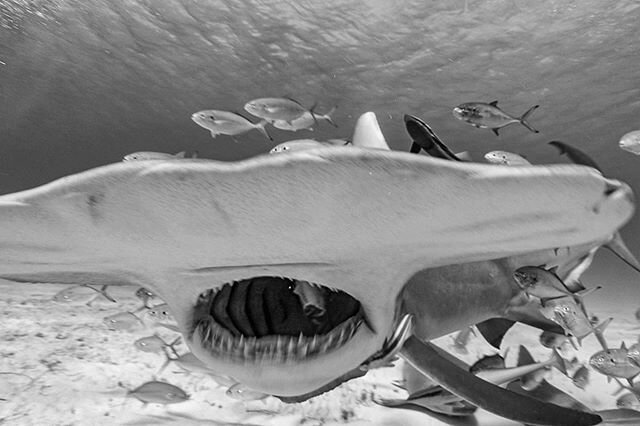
[74,364]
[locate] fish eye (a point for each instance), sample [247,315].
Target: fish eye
[212,117]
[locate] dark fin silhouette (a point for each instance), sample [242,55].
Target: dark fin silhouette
[525,116]
[495,131]
[575,155]
[415,148]
[313,114]
[434,363]
[494,104]
[494,329]
[262,129]
[426,138]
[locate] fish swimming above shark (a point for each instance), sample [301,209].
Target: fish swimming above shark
[489,116]
[380,234]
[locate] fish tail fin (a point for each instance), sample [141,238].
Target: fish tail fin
[261,128]
[573,343]
[327,116]
[525,116]
[415,148]
[620,249]
[558,362]
[180,154]
[587,291]
[173,344]
[166,362]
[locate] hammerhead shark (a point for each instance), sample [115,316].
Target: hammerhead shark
[366,235]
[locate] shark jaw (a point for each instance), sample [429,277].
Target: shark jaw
[362,221]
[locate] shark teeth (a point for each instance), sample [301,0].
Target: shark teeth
[278,349]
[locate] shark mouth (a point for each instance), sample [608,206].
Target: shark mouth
[274,319]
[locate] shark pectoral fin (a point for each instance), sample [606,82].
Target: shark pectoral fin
[415,148]
[495,131]
[494,329]
[501,402]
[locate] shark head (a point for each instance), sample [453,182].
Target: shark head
[286,272]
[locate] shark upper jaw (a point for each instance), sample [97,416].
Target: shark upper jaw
[363,221]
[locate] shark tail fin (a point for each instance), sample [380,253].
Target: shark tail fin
[525,116]
[261,128]
[327,116]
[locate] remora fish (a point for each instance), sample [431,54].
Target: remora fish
[630,142]
[278,109]
[506,158]
[615,363]
[305,121]
[227,123]
[425,138]
[303,144]
[152,155]
[489,116]
[159,393]
[575,155]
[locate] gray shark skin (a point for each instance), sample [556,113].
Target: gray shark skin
[401,233]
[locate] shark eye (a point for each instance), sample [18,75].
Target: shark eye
[212,117]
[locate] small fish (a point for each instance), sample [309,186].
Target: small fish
[581,377]
[637,314]
[461,339]
[302,145]
[630,142]
[539,282]
[527,370]
[155,344]
[628,400]
[81,294]
[243,393]
[145,295]
[278,109]
[124,321]
[489,116]
[615,363]
[305,121]
[575,155]
[571,316]
[634,353]
[159,313]
[506,158]
[158,393]
[151,155]
[227,123]
[190,363]
[551,340]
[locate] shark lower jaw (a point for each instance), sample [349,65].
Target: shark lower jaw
[263,329]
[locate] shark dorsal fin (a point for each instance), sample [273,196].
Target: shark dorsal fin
[623,346]
[494,103]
